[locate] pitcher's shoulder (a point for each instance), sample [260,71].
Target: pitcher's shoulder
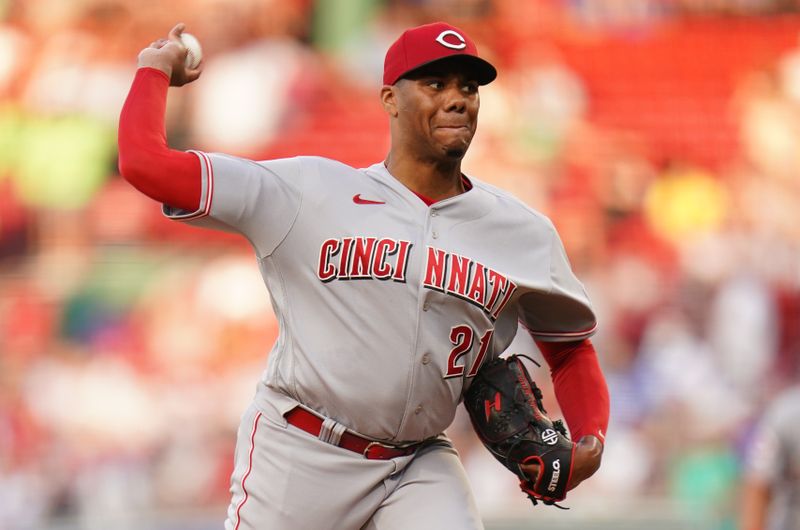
[513,208]
[327,169]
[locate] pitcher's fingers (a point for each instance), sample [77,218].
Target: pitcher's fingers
[193,75]
[175,32]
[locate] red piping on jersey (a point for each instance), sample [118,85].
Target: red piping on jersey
[206,206]
[145,160]
[579,386]
[249,469]
[210,173]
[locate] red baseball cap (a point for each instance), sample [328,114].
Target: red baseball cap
[427,44]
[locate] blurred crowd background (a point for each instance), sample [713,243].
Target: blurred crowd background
[661,136]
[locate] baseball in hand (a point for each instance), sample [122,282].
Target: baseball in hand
[194,51]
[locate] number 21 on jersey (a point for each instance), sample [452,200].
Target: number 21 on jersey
[463,338]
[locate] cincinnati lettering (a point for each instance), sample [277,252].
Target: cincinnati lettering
[362,258]
[469,280]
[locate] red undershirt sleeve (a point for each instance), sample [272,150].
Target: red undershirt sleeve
[145,160]
[579,386]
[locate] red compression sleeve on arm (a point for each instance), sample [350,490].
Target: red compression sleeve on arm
[579,386]
[145,160]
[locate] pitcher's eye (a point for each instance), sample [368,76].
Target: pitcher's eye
[471,87]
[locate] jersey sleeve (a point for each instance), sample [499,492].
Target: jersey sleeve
[259,200]
[562,312]
[580,386]
[145,159]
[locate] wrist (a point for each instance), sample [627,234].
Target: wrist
[591,451]
[587,457]
[147,62]
[591,444]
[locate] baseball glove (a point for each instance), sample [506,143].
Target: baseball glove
[505,407]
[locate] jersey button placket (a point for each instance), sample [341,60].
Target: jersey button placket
[426,305]
[434,231]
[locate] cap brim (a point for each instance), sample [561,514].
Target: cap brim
[482,70]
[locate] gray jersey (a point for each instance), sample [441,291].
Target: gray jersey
[386,306]
[775,459]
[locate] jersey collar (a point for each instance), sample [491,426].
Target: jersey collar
[473,203]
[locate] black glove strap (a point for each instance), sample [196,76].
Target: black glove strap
[555,467]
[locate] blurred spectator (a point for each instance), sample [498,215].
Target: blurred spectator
[251,94]
[685,202]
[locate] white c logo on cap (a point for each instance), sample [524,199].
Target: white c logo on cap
[461,42]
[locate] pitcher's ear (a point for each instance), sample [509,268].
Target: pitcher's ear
[389,100]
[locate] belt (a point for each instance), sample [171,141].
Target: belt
[312,424]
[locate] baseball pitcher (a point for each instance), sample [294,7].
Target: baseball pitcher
[397,287]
